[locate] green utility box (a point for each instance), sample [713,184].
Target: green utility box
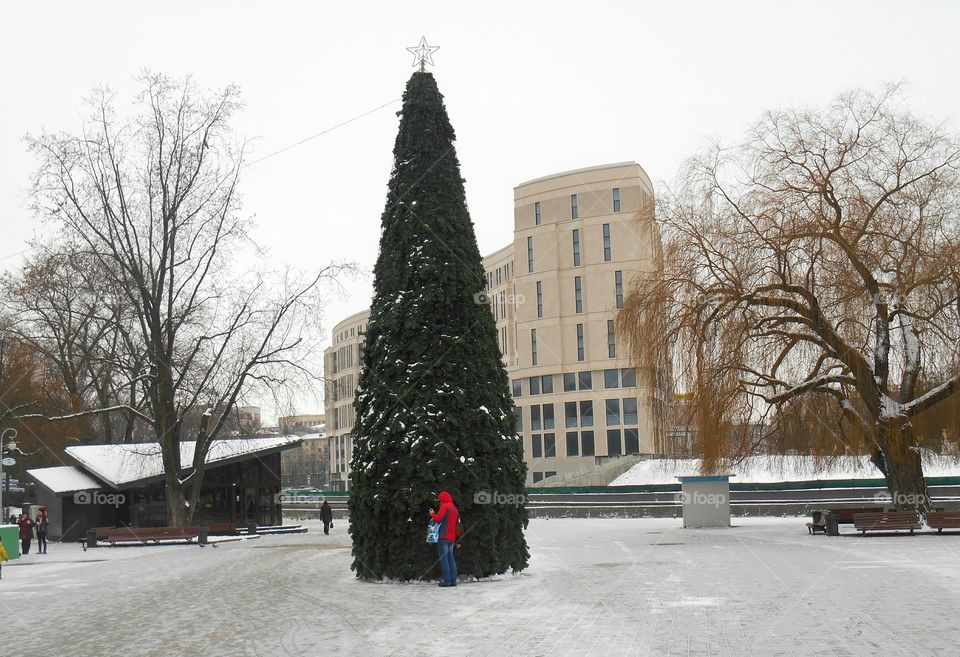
[10,535]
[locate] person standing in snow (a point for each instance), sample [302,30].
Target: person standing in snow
[42,522]
[326,515]
[447,517]
[26,533]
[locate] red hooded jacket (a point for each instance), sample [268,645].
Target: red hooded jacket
[447,515]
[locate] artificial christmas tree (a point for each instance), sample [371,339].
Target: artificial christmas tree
[433,408]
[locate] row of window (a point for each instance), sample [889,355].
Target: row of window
[618,412]
[575,235]
[343,358]
[499,276]
[578,293]
[574,206]
[572,381]
[581,343]
[583,443]
[342,388]
[540,476]
[349,333]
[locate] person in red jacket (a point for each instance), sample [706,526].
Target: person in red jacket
[447,516]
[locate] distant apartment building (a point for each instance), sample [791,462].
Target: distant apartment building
[581,238]
[307,465]
[305,423]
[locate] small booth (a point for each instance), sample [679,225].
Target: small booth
[10,537]
[705,500]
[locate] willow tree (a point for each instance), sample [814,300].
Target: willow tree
[818,258]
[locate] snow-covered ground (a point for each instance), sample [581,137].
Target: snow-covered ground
[594,588]
[765,469]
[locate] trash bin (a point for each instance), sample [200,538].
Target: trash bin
[10,535]
[706,500]
[833,524]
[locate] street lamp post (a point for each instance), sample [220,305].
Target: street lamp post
[10,447]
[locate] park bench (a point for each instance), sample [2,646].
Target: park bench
[941,520]
[843,516]
[221,529]
[144,535]
[886,521]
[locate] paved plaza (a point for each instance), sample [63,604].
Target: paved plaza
[594,588]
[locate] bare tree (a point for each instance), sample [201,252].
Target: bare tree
[61,305]
[819,258]
[154,202]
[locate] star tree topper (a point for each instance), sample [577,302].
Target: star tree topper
[423,54]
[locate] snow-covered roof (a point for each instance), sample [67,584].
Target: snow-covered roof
[64,479]
[121,465]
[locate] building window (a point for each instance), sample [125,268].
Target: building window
[570,415]
[546,384]
[533,346]
[569,382]
[574,207]
[631,439]
[607,257]
[586,443]
[536,211]
[519,427]
[611,379]
[517,387]
[630,410]
[618,287]
[530,255]
[576,248]
[539,299]
[611,339]
[549,445]
[612,407]
[535,424]
[548,474]
[581,355]
[586,413]
[616,199]
[573,443]
[613,442]
[548,420]
[585,380]
[534,385]
[628,377]
[578,293]
[537,444]
[537,477]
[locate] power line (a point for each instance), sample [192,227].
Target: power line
[323,132]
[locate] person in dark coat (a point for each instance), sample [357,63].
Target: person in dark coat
[326,515]
[26,532]
[447,515]
[42,522]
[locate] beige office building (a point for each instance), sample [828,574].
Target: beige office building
[579,242]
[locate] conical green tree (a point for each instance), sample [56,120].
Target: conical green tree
[433,408]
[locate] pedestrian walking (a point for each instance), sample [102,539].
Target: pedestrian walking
[447,516]
[326,515]
[42,522]
[26,533]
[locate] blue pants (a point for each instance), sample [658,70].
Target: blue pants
[448,565]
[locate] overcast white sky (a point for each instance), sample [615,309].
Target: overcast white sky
[532,88]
